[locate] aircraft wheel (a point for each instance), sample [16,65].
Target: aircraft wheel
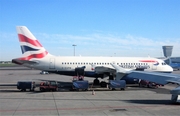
[96,82]
[103,84]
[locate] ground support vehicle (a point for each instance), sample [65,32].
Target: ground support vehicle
[114,84]
[24,85]
[144,83]
[48,86]
[80,85]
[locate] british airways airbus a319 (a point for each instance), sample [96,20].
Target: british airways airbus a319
[34,55]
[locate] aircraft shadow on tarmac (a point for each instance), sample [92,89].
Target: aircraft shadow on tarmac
[155,102]
[145,101]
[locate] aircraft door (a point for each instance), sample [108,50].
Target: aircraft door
[52,63]
[154,66]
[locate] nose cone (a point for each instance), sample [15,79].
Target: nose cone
[169,69]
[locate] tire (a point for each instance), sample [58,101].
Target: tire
[96,82]
[103,84]
[140,85]
[41,89]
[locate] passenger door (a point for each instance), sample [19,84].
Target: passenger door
[52,63]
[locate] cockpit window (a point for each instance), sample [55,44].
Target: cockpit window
[163,63]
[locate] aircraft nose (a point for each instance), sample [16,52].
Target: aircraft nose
[170,69]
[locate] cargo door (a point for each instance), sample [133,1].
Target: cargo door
[52,63]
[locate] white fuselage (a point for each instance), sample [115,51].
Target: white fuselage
[53,63]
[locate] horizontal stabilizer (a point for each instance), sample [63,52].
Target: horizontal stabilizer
[21,62]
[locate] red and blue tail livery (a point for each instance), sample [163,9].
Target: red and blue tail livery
[30,46]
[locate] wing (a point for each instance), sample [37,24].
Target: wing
[160,78]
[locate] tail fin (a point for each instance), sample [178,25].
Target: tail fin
[30,46]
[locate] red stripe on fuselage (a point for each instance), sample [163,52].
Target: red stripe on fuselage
[148,61]
[41,55]
[23,38]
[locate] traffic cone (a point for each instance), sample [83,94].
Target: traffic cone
[93,92]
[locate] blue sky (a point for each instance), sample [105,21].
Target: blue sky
[97,27]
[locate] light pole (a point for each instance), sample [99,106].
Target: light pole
[74,48]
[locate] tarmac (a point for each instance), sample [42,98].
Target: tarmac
[134,101]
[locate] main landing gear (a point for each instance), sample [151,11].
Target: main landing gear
[96,81]
[102,83]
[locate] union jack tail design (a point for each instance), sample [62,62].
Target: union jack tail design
[30,46]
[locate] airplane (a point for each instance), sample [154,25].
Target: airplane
[34,55]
